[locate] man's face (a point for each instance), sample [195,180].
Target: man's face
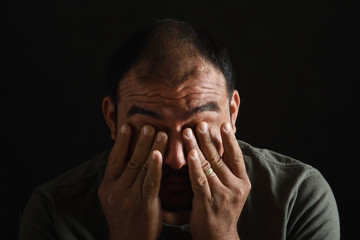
[202,96]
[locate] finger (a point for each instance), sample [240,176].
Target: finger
[191,144]
[160,143]
[139,156]
[116,160]
[159,146]
[233,152]
[210,152]
[189,140]
[199,182]
[152,181]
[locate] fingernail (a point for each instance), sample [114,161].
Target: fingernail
[154,154]
[146,130]
[160,137]
[227,127]
[189,134]
[203,127]
[123,129]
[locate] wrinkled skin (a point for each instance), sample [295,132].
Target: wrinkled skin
[166,136]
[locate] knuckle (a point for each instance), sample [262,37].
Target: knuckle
[242,190]
[225,197]
[233,198]
[107,199]
[110,199]
[238,155]
[103,190]
[216,160]
[201,182]
[134,164]
[205,165]
[144,170]
[239,193]
[247,186]
[208,141]
[112,160]
[149,182]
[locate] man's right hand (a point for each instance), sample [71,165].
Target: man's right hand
[129,192]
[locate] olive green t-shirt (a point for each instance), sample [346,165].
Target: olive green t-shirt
[288,200]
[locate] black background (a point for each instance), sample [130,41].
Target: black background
[296,64]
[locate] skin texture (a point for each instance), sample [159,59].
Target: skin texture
[166,135]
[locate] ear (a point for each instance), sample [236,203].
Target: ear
[234,108]
[108,108]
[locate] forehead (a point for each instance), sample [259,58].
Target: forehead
[193,85]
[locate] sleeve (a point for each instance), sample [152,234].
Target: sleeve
[314,214]
[37,221]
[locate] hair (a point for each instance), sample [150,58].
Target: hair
[168,44]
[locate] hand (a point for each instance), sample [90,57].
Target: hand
[219,197]
[129,190]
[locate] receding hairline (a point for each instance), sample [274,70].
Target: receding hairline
[169,44]
[170,50]
[143,73]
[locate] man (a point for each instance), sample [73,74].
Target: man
[176,170]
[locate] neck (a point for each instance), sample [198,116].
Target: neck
[176,218]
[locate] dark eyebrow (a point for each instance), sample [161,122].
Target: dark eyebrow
[207,107]
[139,110]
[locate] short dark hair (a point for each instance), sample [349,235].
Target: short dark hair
[153,40]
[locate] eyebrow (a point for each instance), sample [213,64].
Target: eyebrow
[207,107]
[139,110]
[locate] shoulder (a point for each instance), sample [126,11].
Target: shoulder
[91,170]
[282,172]
[62,205]
[264,163]
[294,190]
[269,157]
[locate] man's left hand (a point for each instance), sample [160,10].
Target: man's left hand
[220,192]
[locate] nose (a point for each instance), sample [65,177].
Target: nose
[175,157]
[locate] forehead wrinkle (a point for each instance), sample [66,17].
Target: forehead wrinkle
[158,91]
[161,96]
[170,93]
[186,101]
